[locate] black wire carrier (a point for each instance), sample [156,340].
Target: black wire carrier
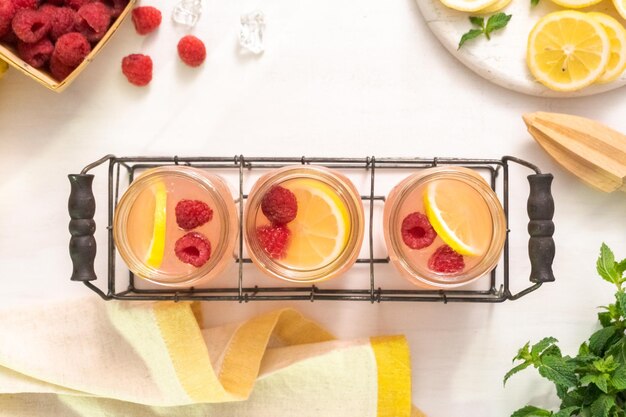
[83,245]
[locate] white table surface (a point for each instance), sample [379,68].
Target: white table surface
[349,78]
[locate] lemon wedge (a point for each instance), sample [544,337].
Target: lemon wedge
[469,5]
[157,243]
[567,50]
[617,39]
[320,231]
[459,215]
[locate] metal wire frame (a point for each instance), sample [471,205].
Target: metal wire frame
[241,293]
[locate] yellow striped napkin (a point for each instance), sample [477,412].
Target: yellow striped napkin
[90,358]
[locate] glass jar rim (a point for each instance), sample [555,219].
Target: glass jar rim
[346,192]
[487,262]
[223,211]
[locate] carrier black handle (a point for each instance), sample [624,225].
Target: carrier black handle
[82,207]
[541,228]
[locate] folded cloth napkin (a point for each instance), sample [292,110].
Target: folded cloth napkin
[90,358]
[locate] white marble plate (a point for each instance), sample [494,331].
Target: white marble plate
[502,60]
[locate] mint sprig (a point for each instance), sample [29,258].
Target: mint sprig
[593,383]
[495,22]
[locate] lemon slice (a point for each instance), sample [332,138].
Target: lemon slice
[567,50]
[620,5]
[576,4]
[468,5]
[617,39]
[157,243]
[459,215]
[498,5]
[320,231]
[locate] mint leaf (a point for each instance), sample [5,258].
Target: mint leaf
[523,353]
[621,267]
[604,318]
[621,300]
[606,262]
[566,412]
[531,411]
[551,351]
[469,35]
[561,371]
[602,406]
[477,21]
[496,22]
[619,378]
[515,370]
[599,340]
[602,382]
[540,346]
[618,351]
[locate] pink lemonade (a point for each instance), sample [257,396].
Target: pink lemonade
[444,227]
[304,224]
[162,245]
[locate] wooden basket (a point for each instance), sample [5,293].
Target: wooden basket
[43,77]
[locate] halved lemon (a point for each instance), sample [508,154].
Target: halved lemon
[617,39]
[498,5]
[459,215]
[468,5]
[576,4]
[320,231]
[567,50]
[157,243]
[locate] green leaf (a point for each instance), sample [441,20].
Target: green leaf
[619,378]
[541,346]
[531,411]
[618,351]
[602,406]
[469,35]
[583,349]
[523,353]
[606,263]
[605,318]
[575,397]
[621,267]
[551,351]
[515,370]
[602,382]
[534,2]
[621,299]
[599,340]
[477,21]
[566,412]
[496,22]
[605,365]
[561,371]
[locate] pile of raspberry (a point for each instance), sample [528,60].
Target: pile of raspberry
[279,205]
[193,248]
[56,35]
[417,233]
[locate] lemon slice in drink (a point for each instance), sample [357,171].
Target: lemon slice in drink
[459,215]
[617,40]
[157,244]
[567,50]
[320,231]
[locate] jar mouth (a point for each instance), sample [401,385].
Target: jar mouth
[418,272]
[223,212]
[347,194]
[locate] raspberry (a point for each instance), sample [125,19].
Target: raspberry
[146,19]
[25,4]
[36,54]
[59,70]
[9,38]
[30,25]
[446,261]
[417,233]
[191,50]
[93,20]
[138,69]
[274,239]
[7,11]
[76,4]
[192,213]
[279,205]
[61,18]
[193,248]
[116,6]
[55,3]
[71,49]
